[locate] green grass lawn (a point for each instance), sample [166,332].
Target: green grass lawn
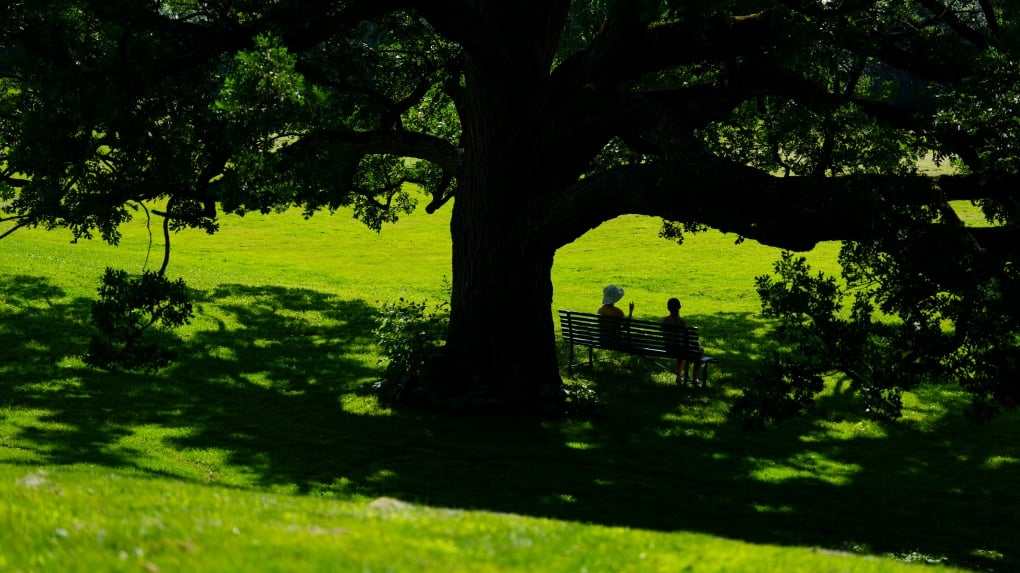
[263,448]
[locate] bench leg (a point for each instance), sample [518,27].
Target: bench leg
[570,361]
[703,368]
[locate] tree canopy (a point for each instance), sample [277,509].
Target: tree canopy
[784,121]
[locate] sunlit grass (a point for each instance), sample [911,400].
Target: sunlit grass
[267,424]
[174,526]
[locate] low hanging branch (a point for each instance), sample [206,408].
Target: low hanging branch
[16,226]
[166,236]
[129,307]
[167,216]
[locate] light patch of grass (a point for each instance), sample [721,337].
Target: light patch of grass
[180,526]
[805,465]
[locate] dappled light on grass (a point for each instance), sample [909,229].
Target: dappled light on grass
[833,471]
[997,462]
[363,405]
[804,465]
[581,446]
[930,406]
[761,508]
[828,431]
[151,449]
[272,395]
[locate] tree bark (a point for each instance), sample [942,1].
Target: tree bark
[501,349]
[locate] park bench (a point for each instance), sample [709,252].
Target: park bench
[631,336]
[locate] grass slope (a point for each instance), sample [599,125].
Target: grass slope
[262,448]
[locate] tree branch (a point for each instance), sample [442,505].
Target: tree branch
[626,51]
[403,143]
[16,181]
[793,213]
[301,24]
[989,12]
[997,239]
[522,34]
[944,14]
[441,195]
[8,232]
[390,118]
[814,8]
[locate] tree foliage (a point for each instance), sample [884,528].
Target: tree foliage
[785,121]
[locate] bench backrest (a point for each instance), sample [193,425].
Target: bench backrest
[628,335]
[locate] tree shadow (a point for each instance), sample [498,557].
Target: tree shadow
[269,393]
[38,328]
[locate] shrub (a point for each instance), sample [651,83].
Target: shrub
[127,308]
[581,400]
[411,336]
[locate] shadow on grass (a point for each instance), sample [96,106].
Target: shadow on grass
[270,395]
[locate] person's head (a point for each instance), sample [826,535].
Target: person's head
[611,294]
[673,305]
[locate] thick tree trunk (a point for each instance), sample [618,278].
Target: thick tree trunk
[501,351]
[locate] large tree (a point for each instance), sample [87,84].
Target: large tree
[788,122]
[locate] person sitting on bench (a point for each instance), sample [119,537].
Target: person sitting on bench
[610,295]
[673,306]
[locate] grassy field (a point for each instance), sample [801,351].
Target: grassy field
[262,449]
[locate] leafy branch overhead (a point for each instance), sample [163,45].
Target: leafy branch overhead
[785,121]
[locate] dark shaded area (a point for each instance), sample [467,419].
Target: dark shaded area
[644,462]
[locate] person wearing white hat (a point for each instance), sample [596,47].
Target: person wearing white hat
[611,294]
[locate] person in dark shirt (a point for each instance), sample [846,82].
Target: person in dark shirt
[673,306]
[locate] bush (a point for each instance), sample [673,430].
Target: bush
[780,390]
[411,337]
[127,308]
[581,400]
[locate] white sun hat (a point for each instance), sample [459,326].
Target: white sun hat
[611,294]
